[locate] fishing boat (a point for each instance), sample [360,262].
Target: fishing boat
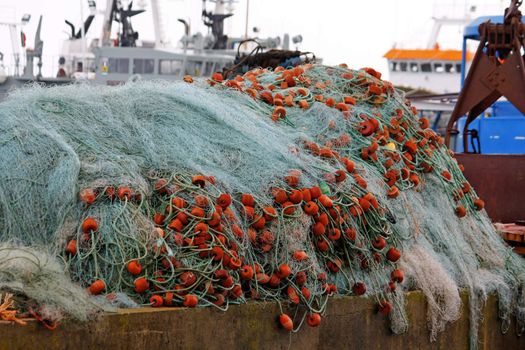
[115,60]
[430,70]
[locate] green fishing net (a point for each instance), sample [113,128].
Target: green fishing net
[288,185]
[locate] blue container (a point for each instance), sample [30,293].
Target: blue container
[458,145]
[502,133]
[505,109]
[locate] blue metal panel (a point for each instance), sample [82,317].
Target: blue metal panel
[505,109]
[459,138]
[498,135]
[503,135]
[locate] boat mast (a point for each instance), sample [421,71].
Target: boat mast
[108,21]
[157,24]
[450,18]
[83,37]
[247,16]
[438,23]
[13,30]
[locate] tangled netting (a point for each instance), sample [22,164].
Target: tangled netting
[287,185]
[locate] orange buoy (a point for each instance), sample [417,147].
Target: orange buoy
[89,225]
[461,211]
[97,287]
[479,204]
[286,322]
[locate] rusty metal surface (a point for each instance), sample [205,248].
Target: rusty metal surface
[500,181]
[497,70]
[351,323]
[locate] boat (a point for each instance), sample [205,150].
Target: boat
[113,61]
[429,70]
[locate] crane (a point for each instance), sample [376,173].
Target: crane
[497,70]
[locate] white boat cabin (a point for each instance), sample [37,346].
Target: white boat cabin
[434,70]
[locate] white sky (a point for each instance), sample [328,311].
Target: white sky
[355,32]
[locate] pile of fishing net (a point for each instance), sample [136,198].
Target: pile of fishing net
[289,185]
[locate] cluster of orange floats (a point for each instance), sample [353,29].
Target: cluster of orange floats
[211,248]
[218,248]
[395,136]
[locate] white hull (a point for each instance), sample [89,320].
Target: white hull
[439,83]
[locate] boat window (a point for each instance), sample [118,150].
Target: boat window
[438,68]
[170,67]
[89,64]
[220,66]
[458,68]
[208,69]
[143,66]
[394,66]
[193,68]
[164,67]
[403,66]
[449,68]
[118,65]
[426,67]
[414,67]
[176,66]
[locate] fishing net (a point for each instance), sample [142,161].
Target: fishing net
[41,280]
[288,185]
